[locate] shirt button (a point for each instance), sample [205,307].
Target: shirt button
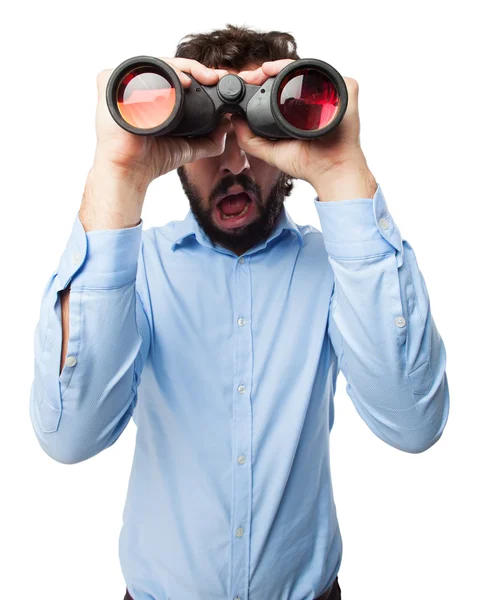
[76,258]
[241,389]
[70,361]
[241,261]
[384,223]
[400,321]
[239,532]
[242,459]
[241,322]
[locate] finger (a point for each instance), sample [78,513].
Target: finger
[352,86]
[221,130]
[251,143]
[202,74]
[212,144]
[255,77]
[273,67]
[102,79]
[268,69]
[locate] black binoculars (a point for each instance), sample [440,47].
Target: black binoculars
[307,99]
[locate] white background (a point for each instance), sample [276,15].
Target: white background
[409,522]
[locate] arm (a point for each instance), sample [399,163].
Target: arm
[90,342]
[380,322]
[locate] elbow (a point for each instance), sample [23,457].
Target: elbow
[416,444]
[70,449]
[73,440]
[426,423]
[69,446]
[64,453]
[433,413]
[54,440]
[412,441]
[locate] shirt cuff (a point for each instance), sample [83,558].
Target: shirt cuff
[359,228]
[102,258]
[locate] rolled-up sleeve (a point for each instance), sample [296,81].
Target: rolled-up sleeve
[381,327]
[83,410]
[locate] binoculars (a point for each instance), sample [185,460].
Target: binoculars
[307,99]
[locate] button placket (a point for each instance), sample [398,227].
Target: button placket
[242,423]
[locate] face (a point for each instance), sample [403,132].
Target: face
[205,181]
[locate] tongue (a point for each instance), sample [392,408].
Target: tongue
[233,205]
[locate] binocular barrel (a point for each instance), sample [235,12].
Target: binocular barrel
[307,99]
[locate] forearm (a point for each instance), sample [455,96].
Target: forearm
[102,330]
[381,326]
[389,348]
[113,198]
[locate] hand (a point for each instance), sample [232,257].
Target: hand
[311,160]
[143,158]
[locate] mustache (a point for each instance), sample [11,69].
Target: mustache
[253,190]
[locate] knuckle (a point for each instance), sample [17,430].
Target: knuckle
[353,84]
[103,76]
[188,153]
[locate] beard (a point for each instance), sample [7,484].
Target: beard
[244,237]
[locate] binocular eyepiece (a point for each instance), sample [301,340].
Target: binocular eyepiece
[307,99]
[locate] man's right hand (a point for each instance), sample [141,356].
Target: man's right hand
[144,158]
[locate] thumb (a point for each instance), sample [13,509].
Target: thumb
[212,144]
[250,142]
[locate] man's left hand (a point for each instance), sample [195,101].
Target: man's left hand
[319,161]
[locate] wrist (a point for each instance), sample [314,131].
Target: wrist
[111,200]
[346,181]
[135,178]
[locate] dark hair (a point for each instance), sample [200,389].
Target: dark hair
[236,47]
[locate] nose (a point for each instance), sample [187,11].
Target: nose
[234,159]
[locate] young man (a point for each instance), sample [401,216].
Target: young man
[236,321]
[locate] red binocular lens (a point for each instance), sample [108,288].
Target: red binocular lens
[145,99]
[308,99]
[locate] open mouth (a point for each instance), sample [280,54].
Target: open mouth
[235,210]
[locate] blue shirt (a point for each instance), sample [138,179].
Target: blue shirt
[228,366]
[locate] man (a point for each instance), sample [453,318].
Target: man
[236,327]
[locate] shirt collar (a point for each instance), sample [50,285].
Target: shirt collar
[189,227]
